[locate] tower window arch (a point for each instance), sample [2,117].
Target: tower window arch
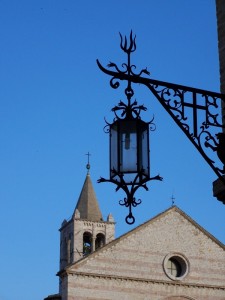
[87,243]
[99,241]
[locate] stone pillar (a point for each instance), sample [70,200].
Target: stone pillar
[218,185]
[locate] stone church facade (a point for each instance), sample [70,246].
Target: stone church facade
[168,257]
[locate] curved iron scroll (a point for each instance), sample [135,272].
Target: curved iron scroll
[194,110]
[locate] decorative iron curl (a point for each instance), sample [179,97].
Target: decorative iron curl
[115,84]
[106,128]
[173,99]
[152,126]
[203,140]
[212,119]
[125,202]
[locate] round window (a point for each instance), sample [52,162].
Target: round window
[176,266]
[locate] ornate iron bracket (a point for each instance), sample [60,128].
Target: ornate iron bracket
[194,110]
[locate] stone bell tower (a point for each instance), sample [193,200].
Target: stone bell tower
[86,231]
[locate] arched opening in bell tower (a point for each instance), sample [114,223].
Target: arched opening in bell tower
[87,243]
[99,241]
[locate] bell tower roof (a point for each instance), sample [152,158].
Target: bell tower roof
[87,204]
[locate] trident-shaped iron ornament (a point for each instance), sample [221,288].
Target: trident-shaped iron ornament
[194,110]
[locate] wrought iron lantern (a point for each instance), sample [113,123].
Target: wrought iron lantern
[129,150]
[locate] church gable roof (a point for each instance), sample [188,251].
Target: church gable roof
[140,253]
[87,204]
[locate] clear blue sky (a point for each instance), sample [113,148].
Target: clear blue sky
[53,100]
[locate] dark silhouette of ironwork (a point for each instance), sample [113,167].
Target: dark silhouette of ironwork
[194,110]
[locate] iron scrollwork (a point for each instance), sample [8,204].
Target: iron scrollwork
[194,110]
[200,123]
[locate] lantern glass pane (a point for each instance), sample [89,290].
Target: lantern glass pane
[144,151]
[113,149]
[128,146]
